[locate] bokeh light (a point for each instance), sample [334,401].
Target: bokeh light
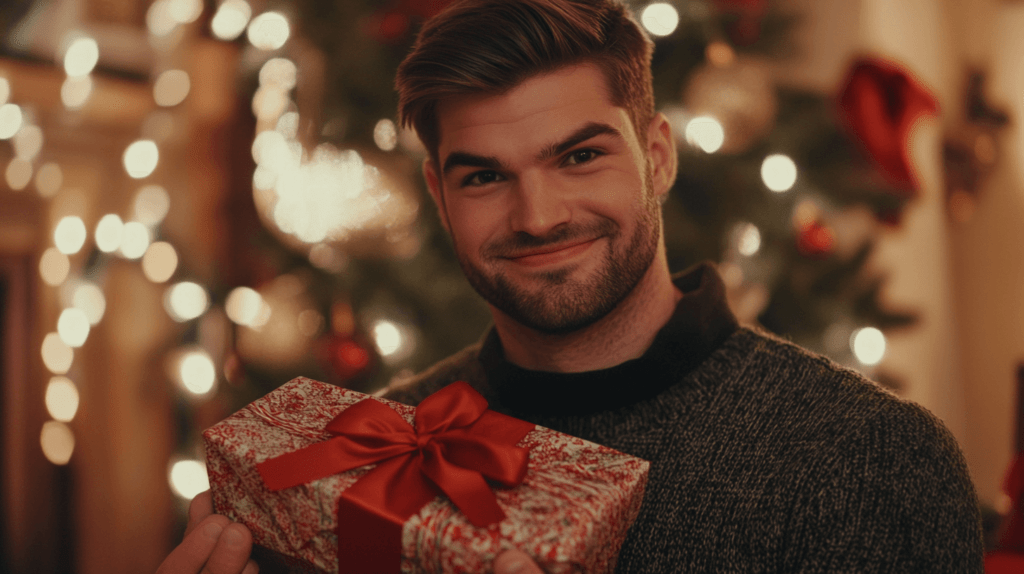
[54,266]
[28,142]
[10,120]
[135,240]
[70,234]
[159,20]
[184,11]
[288,125]
[171,88]
[660,18]
[49,178]
[269,31]
[778,172]
[230,20]
[151,205]
[81,57]
[246,307]
[73,327]
[57,355]
[188,478]
[868,345]
[89,298]
[57,441]
[385,135]
[18,173]
[706,133]
[185,301]
[269,102]
[140,158]
[749,239]
[159,262]
[196,372]
[109,233]
[387,337]
[279,72]
[5,90]
[61,398]
[75,92]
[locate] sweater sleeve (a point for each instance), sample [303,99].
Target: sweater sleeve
[898,498]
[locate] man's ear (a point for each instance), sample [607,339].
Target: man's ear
[430,174]
[661,151]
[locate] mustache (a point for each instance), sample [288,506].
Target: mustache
[520,241]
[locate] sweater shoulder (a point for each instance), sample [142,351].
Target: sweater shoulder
[462,366]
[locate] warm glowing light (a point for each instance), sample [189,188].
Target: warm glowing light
[269,31]
[135,240]
[197,373]
[73,327]
[230,19]
[159,262]
[660,18]
[184,11]
[74,92]
[749,239]
[188,478]
[267,145]
[279,72]
[81,57]
[247,307]
[185,301]
[171,88]
[89,298]
[720,54]
[70,234]
[10,120]
[109,233]
[705,133]
[385,135]
[54,266]
[5,90]
[27,142]
[151,205]
[49,178]
[58,442]
[18,174]
[159,19]
[269,102]
[778,172]
[57,355]
[61,399]
[288,124]
[868,345]
[387,337]
[140,158]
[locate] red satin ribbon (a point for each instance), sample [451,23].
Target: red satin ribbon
[456,444]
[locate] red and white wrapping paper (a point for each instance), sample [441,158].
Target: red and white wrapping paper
[570,513]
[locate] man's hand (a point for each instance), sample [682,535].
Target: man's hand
[212,544]
[515,562]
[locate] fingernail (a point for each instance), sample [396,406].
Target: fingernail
[233,537]
[212,530]
[251,568]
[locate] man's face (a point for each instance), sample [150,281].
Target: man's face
[548,196]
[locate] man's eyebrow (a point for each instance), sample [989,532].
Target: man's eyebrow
[591,129]
[461,158]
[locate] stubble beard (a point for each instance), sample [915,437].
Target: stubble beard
[560,303]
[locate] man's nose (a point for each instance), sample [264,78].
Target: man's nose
[541,205]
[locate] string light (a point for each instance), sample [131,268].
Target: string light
[246,307]
[288,124]
[171,88]
[151,205]
[27,142]
[159,262]
[57,441]
[749,239]
[54,266]
[140,158]
[269,102]
[10,120]
[49,178]
[230,20]
[69,236]
[73,327]
[61,399]
[868,345]
[18,174]
[135,240]
[57,355]
[279,72]
[75,92]
[184,11]
[159,20]
[660,18]
[185,301]
[385,135]
[705,133]
[89,298]
[81,57]
[109,233]
[187,478]
[269,31]
[196,373]
[778,172]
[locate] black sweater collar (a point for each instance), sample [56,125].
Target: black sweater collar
[701,322]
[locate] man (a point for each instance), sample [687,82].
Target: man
[548,166]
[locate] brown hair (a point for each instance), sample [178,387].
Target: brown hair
[491,46]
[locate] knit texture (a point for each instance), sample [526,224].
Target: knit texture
[764,457]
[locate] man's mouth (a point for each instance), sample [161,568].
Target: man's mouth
[550,254]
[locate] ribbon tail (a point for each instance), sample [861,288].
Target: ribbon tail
[466,488]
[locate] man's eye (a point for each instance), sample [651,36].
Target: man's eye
[482,178]
[581,156]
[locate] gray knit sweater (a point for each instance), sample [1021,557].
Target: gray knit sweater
[764,457]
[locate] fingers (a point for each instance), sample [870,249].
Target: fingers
[231,554]
[190,556]
[515,562]
[199,509]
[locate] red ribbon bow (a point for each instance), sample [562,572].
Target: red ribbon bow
[455,445]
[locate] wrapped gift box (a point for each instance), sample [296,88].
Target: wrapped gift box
[571,511]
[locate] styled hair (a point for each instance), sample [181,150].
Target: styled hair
[491,46]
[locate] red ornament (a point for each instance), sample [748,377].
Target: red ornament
[344,356]
[879,105]
[815,240]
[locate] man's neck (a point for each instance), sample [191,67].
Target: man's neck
[620,336]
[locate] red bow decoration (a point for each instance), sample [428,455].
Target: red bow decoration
[455,445]
[879,104]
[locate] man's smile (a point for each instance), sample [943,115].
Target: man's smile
[551,254]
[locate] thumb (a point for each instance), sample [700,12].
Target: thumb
[515,562]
